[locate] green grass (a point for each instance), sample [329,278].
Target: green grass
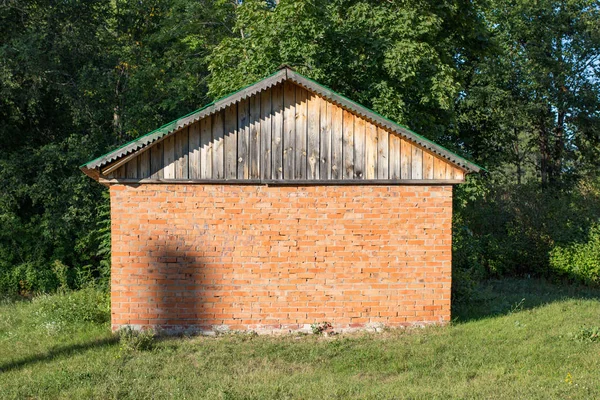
[500,346]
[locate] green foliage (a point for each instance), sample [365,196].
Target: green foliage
[580,261]
[520,230]
[78,78]
[512,85]
[318,328]
[588,334]
[88,305]
[399,58]
[133,340]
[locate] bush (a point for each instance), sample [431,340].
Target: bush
[133,340]
[515,230]
[579,261]
[86,305]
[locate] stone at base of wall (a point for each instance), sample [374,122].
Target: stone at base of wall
[274,330]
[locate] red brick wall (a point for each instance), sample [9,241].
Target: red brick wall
[278,258]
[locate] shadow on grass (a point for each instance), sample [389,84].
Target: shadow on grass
[506,296]
[57,352]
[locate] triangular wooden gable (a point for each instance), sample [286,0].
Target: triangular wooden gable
[285,127]
[283,133]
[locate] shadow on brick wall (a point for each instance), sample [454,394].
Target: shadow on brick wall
[179,304]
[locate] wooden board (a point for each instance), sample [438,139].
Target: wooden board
[427,165]
[181,154]
[264,153]
[337,148]
[439,168]
[289,130]
[313,135]
[156,161]
[231,142]
[206,148]
[417,163]
[218,137]
[169,157]
[301,133]
[143,165]
[405,160]
[254,144]
[243,137]
[131,168]
[371,151]
[325,119]
[382,153]
[195,152]
[394,155]
[277,132]
[359,147]
[348,145]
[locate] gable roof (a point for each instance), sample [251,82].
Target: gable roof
[281,75]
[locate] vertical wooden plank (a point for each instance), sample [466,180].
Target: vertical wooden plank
[181,154]
[439,168]
[313,146]
[265,134]
[348,145]
[359,147]
[382,153]
[195,153]
[254,146]
[417,162]
[427,165]
[157,160]
[277,131]
[218,145]
[459,174]
[289,130]
[243,139]
[371,151]
[206,148]
[120,172]
[394,156]
[405,159]
[144,165]
[449,171]
[336,115]
[169,157]
[325,138]
[230,135]
[131,168]
[301,133]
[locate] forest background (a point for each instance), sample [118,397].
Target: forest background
[512,85]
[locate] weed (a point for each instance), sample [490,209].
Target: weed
[132,340]
[585,334]
[318,328]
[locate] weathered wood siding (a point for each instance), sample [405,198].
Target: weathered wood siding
[286,133]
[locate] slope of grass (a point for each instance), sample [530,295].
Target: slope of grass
[522,339]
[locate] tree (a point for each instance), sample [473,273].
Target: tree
[401,59]
[538,93]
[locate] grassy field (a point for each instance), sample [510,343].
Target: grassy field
[521,339]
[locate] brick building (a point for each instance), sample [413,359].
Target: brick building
[278,206]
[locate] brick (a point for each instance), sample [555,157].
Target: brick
[267,258]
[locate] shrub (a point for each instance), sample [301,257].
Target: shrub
[579,261]
[520,230]
[133,340]
[69,307]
